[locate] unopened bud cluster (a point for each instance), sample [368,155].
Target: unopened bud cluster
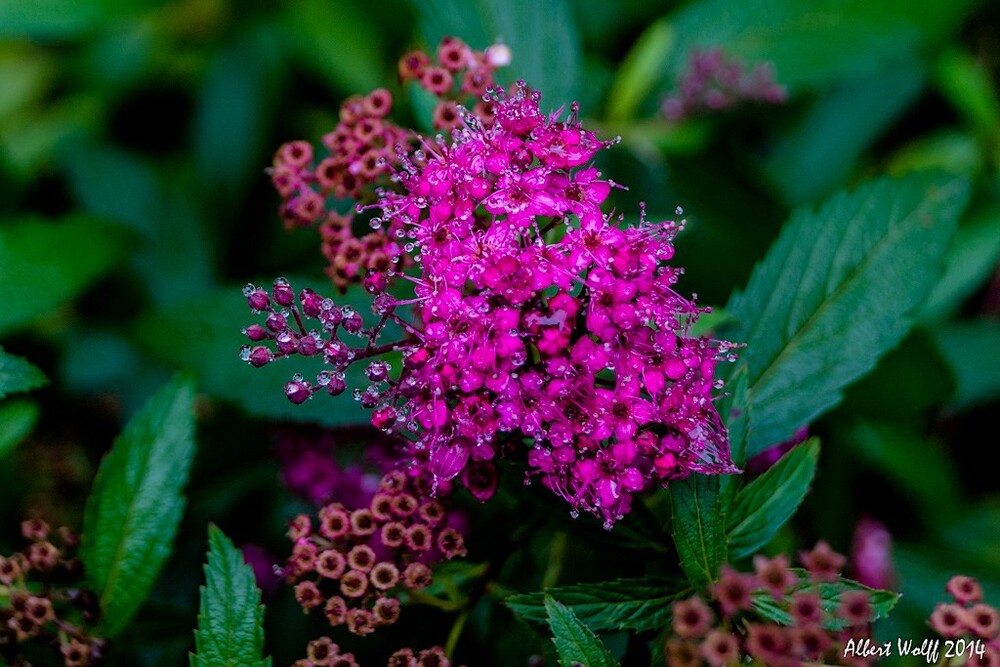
[714,82]
[39,605]
[730,629]
[968,617]
[323,652]
[363,150]
[354,562]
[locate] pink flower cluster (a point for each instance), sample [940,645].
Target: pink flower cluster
[969,617]
[730,629]
[323,652]
[362,152]
[535,317]
[353,560]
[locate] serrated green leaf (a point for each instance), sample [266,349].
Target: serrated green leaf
[135,505]
[764,505]
[699,527]
[623,604]
[45,263]
[204,335]
[230,618]
[17,375]
[545,45]
[17,418]
[574,641]
[829,593]
[835,292]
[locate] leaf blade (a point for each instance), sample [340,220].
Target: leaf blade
[18,375]
[699,527]
[574,641]
[135,506]
[230,618]
[764,505]
[831,296]
[638,604]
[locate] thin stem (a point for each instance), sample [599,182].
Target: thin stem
[423,598]
[456,633]
[557,554]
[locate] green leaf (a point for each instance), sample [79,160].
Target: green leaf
[173,257]
[969,348]
[341,41]
[639,604]
[829,593]
[967,84]
[61,19]
[835,292]
[230,618]
[17,375]
[813,44]
[236,103]
[821,149]
[640,71]
[204,335]
[973,254]
[574,641]
[45,264]
[545,44]
[17,419]
[764,505]
[904,456]
[735,409]
[135,506]
[699,527]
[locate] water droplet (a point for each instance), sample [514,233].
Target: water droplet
[245,353]
[249,289]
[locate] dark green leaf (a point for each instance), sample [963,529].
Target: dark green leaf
[735,410]
[970,348]
[973,254]
[640,70]
[835,292]
[60,19]
[17,418]
[574,641]
[829,593]
[623,604]
[821,149]
[236,102]
[819,42]
[764,505]
[45,264]
[173,259]
[699,527]
[135,506]
[230,618]
[17,375]
[545,43]
[340,40]
[904,456]
[967,84]
[204,336]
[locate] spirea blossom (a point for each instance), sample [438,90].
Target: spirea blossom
[738,623]
[539,327]
[969,618]
[355,559]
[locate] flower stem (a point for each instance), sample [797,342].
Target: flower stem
[557,553]
[456,633]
